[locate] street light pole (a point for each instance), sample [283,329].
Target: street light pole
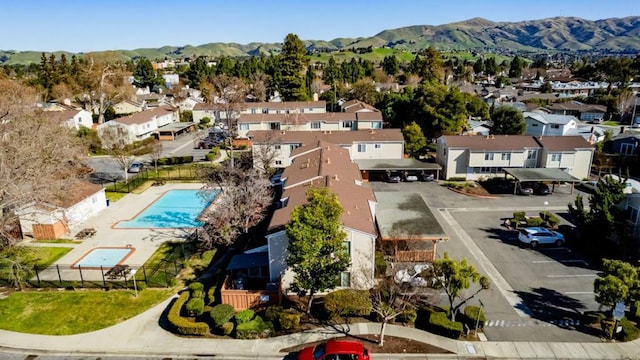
[135,286]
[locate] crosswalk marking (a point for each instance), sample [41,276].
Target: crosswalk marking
[532,322]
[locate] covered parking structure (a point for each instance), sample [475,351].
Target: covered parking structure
[408,229]
[170,131]
[553,175]
[381,166]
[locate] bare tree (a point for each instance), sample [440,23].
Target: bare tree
[242,203]
[39,157]
[229,93]
[259,85]
[624,101]
[155,153]
[265,153]
[116,143]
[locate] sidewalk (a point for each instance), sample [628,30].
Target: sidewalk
[143,336]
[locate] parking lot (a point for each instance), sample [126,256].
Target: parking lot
[537,294]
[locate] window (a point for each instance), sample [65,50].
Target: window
[556,157]
[534,124]
[506,156]
[633,214]
[344,280]
[315,125]
[377,146]
[532,154]
[376,125]
[362,148]
[626,149]
[278,162]
[265,111]
[278,111]
[79,120]
[244,126]
[253,111]
[347,245]
[555,126]
[277,147]
[347,124]
[274,126]
[488,156]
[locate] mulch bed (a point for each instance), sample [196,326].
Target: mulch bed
[392,345]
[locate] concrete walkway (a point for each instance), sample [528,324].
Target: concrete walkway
[143,336]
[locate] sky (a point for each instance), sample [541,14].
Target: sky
[98,25]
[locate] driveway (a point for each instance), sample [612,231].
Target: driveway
[536,295]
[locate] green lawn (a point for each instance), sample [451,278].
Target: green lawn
[43,256]
[73,312]
[57,241]
[114,196]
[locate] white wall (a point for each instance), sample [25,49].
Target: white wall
[373,150]
[86,208]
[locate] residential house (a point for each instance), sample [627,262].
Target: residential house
[352,106]
[625,144]
[60,214]
[539,124]
[323,164]
[73,119]
[143,124]
[584,112]
[472,157]
[361,144]
[478,127]
[126,107]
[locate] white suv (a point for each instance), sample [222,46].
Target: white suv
[539,235]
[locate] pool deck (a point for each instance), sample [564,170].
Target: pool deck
[145,241]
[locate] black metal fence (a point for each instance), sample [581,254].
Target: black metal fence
[66,276]
[148,174]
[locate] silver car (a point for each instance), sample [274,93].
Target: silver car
[535,236]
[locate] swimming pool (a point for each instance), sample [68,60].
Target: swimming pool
[174,209]
[103,256]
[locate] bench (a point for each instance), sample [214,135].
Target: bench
[118,271]
[86,233]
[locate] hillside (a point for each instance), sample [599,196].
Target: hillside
[553,34]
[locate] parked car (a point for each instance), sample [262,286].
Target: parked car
[523,189]
[335,350]
[411,177]
[538,188]
[590,185]
[535,236]
[208,143]
[427,177]
[136,167]
[393,177]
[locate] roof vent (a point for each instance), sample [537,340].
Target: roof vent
[335,177]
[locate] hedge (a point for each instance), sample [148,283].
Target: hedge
[608,328]
[534,221]
[519,216]
[221,314]
[175,160]
[289,320]
[439,323]
[211,295]
[227,328]
[254,329]
[196,289]
[348,302]
[629,331]
[273,314]
[409,316]
[550,218]
[182,325]
[634,310]
[195,306]
[245,316]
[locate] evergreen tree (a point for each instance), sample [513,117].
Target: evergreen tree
[317,254]
[414,140]
[508,120]
[331,73]
[516,66]
[293,63]
[145,75]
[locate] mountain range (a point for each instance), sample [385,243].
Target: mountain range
[613,35]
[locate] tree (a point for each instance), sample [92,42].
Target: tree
[317,255]
[516,66]
[145,75]
[364,90]
[244,198]
[508,120]
[39,158]
[390,65]
[116,143]
[265,153]
[155,153]
[546,88]
[229,93]
[454,277]
[624,101]
[618,282]
[293,61]
[414,139]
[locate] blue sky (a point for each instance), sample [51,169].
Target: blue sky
[94,25]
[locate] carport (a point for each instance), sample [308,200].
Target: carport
[171,131]
[406,223]
[368,165]
[540,174]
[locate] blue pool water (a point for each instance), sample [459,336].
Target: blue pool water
[105,257]
[174,209]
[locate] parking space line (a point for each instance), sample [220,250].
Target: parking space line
[561,261]
[579,293]
[570,276]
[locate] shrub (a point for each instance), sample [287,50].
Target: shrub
[227,328]
[593,317]
[534,221]
[440,324]
[182,325]
[245,316]
[629,331]
[459,178]
[211,295]
[196,289]
[608,328]
[409,316]
[221,313]
[273,313]
[348,302]
[470,317]
[519,216]
[289,320]
[550,218]
[634,310]
[195,306]
[380,263]
[254,329]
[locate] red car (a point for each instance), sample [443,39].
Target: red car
[335,350]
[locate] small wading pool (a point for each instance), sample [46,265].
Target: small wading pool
[107,257]
[173,210]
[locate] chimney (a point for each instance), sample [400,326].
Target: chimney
[335,177]
[328,161]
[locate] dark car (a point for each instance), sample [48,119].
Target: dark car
[427,177]
[540,188]
[208,143]
[393,177]
[335,350]
[523,188]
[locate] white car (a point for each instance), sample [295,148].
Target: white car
[590,185]
[535,236]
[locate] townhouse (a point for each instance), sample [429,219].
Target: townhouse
[143,124]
